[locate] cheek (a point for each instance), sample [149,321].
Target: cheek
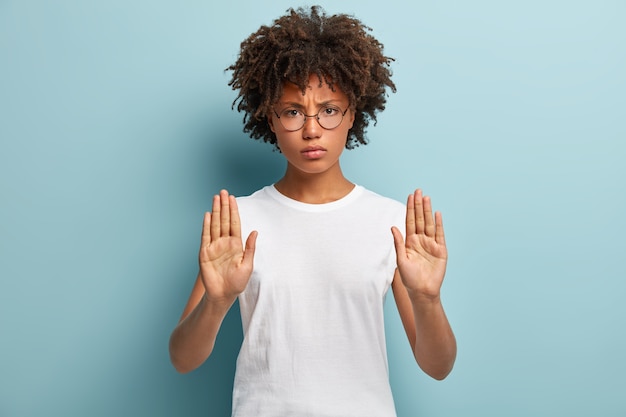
[284,143]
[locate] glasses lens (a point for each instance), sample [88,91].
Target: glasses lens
[292,119]
[330,117]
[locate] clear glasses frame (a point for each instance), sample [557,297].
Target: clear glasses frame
[294,117]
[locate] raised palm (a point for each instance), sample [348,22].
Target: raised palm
[225,266]
[422,258]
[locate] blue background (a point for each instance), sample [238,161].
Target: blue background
[116,129]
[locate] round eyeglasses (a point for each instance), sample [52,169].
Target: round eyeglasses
[328,117]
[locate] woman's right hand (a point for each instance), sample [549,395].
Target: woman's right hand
[225,265]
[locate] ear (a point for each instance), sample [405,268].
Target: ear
[270,122]
[351,118]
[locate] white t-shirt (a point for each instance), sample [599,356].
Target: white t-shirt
[312,313]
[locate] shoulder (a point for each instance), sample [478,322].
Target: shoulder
[255,198]
[257,206]
[376,200]
[382,209]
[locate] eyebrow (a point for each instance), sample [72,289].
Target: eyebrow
[334,102]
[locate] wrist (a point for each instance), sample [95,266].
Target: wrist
[217,304]
[425,300]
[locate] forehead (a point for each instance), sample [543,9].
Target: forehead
[316,91]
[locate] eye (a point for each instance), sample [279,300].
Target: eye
[329,111]
[291,113]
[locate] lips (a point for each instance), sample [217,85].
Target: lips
[313,152]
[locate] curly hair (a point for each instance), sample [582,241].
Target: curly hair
[337,48]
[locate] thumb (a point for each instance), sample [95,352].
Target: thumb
[248,253]
[398,242]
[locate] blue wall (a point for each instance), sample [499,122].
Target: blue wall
[116,129]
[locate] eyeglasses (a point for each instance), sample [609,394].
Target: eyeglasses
[329,117]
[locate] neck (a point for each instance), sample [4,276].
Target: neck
[316,188]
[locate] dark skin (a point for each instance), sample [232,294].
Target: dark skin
[316,177]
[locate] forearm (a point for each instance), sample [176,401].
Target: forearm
[435,344]
[193,339]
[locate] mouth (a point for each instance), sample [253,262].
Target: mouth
[313,152]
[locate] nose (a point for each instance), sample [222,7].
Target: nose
[311,128]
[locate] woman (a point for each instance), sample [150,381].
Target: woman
[320,252]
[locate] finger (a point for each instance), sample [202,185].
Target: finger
[225,214]
[248,254]
[419,212]
[410,215]
[439,234]
[235,224]
[215,218]
[398,242]
[206,230]
[429,221]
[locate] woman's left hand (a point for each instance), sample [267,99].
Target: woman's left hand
[423,257]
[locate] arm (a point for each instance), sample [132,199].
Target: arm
[225,268]
[416,287]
